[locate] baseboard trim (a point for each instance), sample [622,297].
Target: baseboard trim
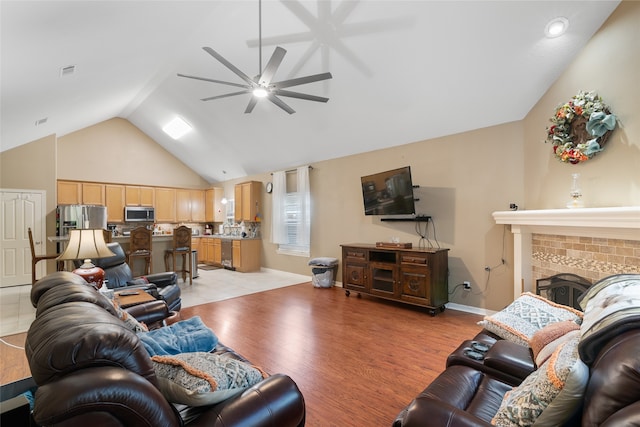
[470,309]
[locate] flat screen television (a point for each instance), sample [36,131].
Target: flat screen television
[389,193]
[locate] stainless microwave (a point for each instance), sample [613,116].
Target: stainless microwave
[139,214]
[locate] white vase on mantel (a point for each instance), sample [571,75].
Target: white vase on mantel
[575,193]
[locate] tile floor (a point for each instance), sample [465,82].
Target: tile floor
[17,313]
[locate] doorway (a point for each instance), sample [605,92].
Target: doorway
[19,210]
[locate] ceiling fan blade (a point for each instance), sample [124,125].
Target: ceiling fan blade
[226,95]
[272,66]
[280,103]
[229,65]
[302,80]
[299,95]
[252,103]
[212,80]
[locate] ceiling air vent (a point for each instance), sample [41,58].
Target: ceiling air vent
[41,121]
[67,71]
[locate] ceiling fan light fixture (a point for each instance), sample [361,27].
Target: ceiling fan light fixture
[556,27]
[260,92]
[176,128]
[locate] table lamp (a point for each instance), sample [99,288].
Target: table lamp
[85,245]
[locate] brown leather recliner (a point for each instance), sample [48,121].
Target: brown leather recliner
[118,275]
[90,370]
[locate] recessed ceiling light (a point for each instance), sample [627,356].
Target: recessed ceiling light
[177,128]
[556,27]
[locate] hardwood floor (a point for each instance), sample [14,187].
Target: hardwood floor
[358,361]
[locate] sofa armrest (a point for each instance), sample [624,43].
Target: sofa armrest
[276,401]
[149,312]
[163,279]
[102,396]
[425,410]
[510,358]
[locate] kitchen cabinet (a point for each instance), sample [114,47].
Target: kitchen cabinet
[246,255]
[247,201]
[412,276]
[216,255]
[165,204]
[197,205]
[92,193]
[69,193]
[213,207]
[183,205]
[139,196]
[196,246]
[190,205]
[115,200]
[75,193]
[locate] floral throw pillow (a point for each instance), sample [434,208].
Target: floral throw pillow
[529,313]
[550,395]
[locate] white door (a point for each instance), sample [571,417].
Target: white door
[19,210]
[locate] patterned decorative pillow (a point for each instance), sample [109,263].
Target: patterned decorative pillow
[198,379]
[550,395]
[526,315]
[546,340]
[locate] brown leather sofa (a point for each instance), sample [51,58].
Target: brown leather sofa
[90,371]
[469,392]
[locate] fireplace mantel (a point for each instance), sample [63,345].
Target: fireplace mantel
[611,223]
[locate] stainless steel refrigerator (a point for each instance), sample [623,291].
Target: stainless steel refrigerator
[80,216]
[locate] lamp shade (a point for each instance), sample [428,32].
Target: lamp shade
[85,244]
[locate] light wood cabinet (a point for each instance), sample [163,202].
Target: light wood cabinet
[183,205]
[115,202]
[139,196]
[216,247]
[92,193]
[190,205]
[165,204]
[213,207]
[69,193]
[248,197]
[246,255]
[197,205]
[76,193]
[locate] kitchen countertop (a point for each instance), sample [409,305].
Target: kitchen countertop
[227,237]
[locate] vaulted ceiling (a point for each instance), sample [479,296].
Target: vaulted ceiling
[403,71]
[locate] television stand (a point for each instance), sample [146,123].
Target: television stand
[411,276]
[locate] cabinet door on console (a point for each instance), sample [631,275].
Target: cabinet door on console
[416,284]
[355,269]
[355,277]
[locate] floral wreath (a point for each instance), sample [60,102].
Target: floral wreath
[580,128]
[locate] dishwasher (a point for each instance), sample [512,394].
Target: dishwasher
[227,253]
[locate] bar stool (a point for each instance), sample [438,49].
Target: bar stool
[35,259]
[181,246]
[140,246]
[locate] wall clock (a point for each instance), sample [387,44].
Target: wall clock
[269,187]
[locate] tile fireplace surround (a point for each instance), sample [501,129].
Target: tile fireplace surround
[589,242]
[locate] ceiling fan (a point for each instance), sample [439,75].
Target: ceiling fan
[261,86]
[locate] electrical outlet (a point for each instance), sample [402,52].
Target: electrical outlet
[467,286]
[487,268]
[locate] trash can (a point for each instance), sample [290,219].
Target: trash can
[323,272]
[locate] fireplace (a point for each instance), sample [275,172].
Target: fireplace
[589,242]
